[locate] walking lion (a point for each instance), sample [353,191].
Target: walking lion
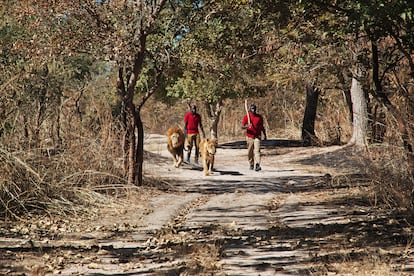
[207,152]
[175,144]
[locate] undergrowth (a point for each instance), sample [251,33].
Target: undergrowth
[62,183]
[389,176]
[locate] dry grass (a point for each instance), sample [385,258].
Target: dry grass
[389,177]
[204,258]
[365,268]
[60,184]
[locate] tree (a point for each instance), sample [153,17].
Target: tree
[221,56]
[136,38]
[302,51]
[388,27]
[33,77]
[308,128]
[360,116]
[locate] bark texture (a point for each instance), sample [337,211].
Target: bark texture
[308,128]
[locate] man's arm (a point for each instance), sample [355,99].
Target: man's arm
[202,129]
[185,128]
[264,131]
[244,122]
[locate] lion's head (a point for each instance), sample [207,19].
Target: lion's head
[175,137]
[210,146]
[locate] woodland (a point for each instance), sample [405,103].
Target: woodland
[83,82]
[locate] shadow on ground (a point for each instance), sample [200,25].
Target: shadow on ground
[267,144]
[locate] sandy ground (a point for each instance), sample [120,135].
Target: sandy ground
[306,212]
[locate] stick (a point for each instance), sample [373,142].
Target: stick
[247,111]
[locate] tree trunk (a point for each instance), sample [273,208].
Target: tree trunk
[214,126]
[214,116]
[130,67]
[131,152]
[308,127]
[139,150]
[121,91]
[359,110]
[129,121]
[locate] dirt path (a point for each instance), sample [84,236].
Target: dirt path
[304,213]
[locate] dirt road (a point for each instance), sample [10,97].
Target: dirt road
[304,213]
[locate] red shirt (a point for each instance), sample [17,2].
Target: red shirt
[256,128]
[192,120]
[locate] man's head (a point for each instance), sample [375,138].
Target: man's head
[253,108]
[193,109]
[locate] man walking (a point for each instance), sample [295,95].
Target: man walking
[253,124]
[192,121]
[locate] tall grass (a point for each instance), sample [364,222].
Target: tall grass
[389,176]
[65,182]
[80,171]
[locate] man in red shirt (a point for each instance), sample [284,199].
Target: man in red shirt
[254,128]
[192,121]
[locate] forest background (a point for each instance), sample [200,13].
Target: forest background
[83,82]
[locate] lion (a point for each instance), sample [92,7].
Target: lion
[207,152]
[175,144]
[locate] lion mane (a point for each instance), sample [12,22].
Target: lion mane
[207,152]
[175,144]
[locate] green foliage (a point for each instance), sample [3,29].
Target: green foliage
[378,19]
[220,53]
